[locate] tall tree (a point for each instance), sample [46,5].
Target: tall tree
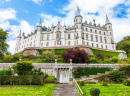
[3,45]
[124,44]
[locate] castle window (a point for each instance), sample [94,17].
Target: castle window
[95,31]
[106,46]
[87,43]
[112,46]
[91,37]
[42,44]
[74,42]
[105,40]
[68,43]
[104,33]
[86,29]
[97,45]
[60,42]
[25,41]
[82,29]
[99,32]
[92,44]
[90,30]
[57,42]
[77,26]
[101,39]
[42,37]
[35,36]
[47,44]
[96,39]
[109,27]
[28,39]
[111,40]
[68,36]
[110,33]
[47,37]
[102,46]
[76,20]
[58,35]
[87,37]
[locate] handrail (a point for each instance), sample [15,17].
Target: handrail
[78,88]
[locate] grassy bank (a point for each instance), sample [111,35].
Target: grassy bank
[110,90]
[46,90]
[105,53]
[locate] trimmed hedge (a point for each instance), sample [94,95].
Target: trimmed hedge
[86,71]
[5,72]
[105,53]
[22,80]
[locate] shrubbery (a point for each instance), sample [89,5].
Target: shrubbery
[125,69]
[23,68]
[126,82]
[100,56]
[5,72]
[114,59]
[94,92]
[22,80]
[104,83]
[77,56]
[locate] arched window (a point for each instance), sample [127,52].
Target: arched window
[68,36]
[96,39]
[86,36]
[60,42]
[91,37]
[101,39]
[105,40]
[47,37]
[58,35]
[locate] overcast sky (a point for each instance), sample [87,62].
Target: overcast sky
[24,15]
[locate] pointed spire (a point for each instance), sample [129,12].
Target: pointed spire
[78,12]
[40,24]
[64,24]
[52,25]
[19,34]
[107,20]
[85,22]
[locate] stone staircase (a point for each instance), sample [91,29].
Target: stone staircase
[65,90]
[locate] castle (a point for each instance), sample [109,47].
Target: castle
[80,34]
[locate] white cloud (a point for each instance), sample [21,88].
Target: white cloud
[7,0]
[24,26]
[37,1]
[120,25]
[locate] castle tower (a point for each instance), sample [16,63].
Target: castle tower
[39,30]
[78,24]
[18,42]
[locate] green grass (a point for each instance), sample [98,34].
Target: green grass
[110,90]
[46,90]
[105,53]
[57,51]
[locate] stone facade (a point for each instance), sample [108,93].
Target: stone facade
[80,34]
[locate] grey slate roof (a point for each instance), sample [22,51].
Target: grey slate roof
[107,20]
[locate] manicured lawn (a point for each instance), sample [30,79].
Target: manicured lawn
[46,90]
[105,53]
[110,90]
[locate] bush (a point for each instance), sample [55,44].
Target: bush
[128,55]
[15,58]
[94,92]
[8,59]
[125,69]
[106,61]
[36,72]
[81,83]
[50,78]
[116,76]
[50,81]
[77,56]
[126,82]
[78,72]
[5,72]
[114,59]
[100,56]
[23,68]
[60,60]
[104,83]
[94,60]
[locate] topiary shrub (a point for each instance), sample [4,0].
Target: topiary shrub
[81,83]
[77,56]
[94,91]
[104,83]
[23,68]
[100,56]
[114,59]
[126,82]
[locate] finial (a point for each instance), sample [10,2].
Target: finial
[40,24]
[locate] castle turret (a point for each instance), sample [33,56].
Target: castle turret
[39,30]
[78,25]
[108,25]
[18,42]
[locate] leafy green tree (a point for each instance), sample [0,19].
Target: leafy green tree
[124,44]
[3,45]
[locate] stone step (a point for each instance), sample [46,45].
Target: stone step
[65,90]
